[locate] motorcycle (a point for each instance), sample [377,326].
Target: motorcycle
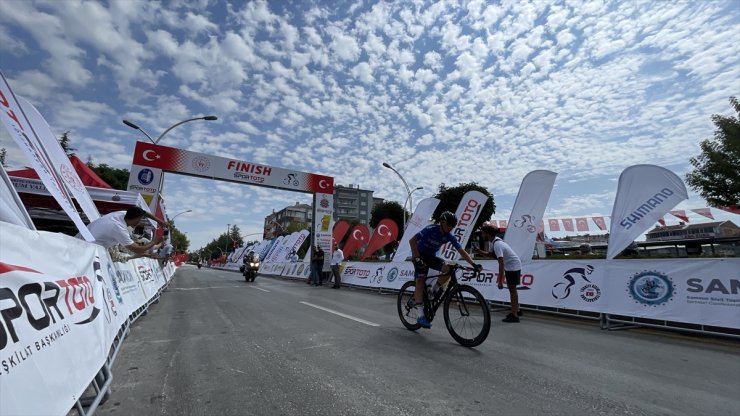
[250,270]
[199,265]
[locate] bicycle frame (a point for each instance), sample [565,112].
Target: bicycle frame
[430,307]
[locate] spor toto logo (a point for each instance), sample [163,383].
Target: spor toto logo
[651,288]
[392,275]
[146,176]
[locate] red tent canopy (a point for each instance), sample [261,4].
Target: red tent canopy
[87,176]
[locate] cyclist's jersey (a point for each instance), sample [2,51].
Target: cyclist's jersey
[431,238]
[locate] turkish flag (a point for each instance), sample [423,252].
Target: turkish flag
[704,212]
[581,224]
[599,221]
[681,215]
[340,229]
[386,232]
[554,225]
[735,209]
[568,224]
[661,221]
[359,236]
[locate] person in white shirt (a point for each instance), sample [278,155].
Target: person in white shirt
[509,266]
[336,258]
[112,229]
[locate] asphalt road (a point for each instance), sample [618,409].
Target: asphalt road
[215,345]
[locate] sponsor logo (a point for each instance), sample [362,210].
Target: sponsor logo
[561,290]
[359,273]
[469,214]
[324,202]
[392,275]
[526,222]
[697,285]
[112,275]
[635,216]
[378,277]
[146,176]
[651,288]
[201,163]
[70,177]
[590,293]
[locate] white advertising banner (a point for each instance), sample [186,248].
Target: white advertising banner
[22,132]
[293,248]
[323,220]
[420,219]
[529,208]
[467,214]
[298,270]
[59,159]
[645,193]
[146,181]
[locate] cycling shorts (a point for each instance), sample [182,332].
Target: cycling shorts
[430,262]
[513,278]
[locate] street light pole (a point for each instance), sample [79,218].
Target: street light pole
[228,230]
[408,191]
[408,198]
[184,212]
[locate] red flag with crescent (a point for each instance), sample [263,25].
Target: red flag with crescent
[386,232]
[340,229]
[599,221]
[568,224]
[681,215]
[357,237]
[554,225]
[581,224]
[704,212]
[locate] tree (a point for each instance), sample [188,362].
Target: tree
[65,143]
[3,155]
[387,209]
[116,178]
[450,197]
[716,174]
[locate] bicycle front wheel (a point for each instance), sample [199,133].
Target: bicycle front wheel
[406,310]
[467,317]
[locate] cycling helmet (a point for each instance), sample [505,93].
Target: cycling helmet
[449,218]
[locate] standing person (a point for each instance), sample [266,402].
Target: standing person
[509,266]
[317,264]
[424,247]
[336,258]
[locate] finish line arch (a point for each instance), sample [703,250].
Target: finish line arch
[151,161]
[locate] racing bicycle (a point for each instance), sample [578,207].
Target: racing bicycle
[466,313]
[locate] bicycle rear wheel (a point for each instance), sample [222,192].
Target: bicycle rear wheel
[467,317]
[406,311]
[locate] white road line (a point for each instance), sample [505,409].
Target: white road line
[259,288]
[343,315]
[202,288]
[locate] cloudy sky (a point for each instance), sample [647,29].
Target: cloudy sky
[446,92]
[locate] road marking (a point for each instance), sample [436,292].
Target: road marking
[259,288]
[343,315]
[201,288]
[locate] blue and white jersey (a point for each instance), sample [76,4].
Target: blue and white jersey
[431,238]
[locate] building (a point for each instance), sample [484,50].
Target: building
[353,203]
[683,231]
[280,220]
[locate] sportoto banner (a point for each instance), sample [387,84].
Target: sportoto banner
[22,132]
[170,159]
[644,195]
[695,291]
[529,207]
[60,316]
[467,214]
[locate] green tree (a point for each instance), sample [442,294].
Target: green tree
[64,141]
[179,239]
[116,178]
[388,209]
[716,174]
[450,197]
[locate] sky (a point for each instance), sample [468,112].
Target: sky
[445,92]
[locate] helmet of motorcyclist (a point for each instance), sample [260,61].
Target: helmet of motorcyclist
[448,218]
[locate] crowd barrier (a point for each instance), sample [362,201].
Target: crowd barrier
[704,292]
[65,308]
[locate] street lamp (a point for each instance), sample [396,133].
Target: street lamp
[408,191]
[184,212]
[135,127]
[228,230]
[408,198]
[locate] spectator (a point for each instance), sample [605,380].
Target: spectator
[509,267]
[317,264]
[112,229]
[166,251]
[336,258]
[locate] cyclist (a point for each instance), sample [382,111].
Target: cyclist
[424,247]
